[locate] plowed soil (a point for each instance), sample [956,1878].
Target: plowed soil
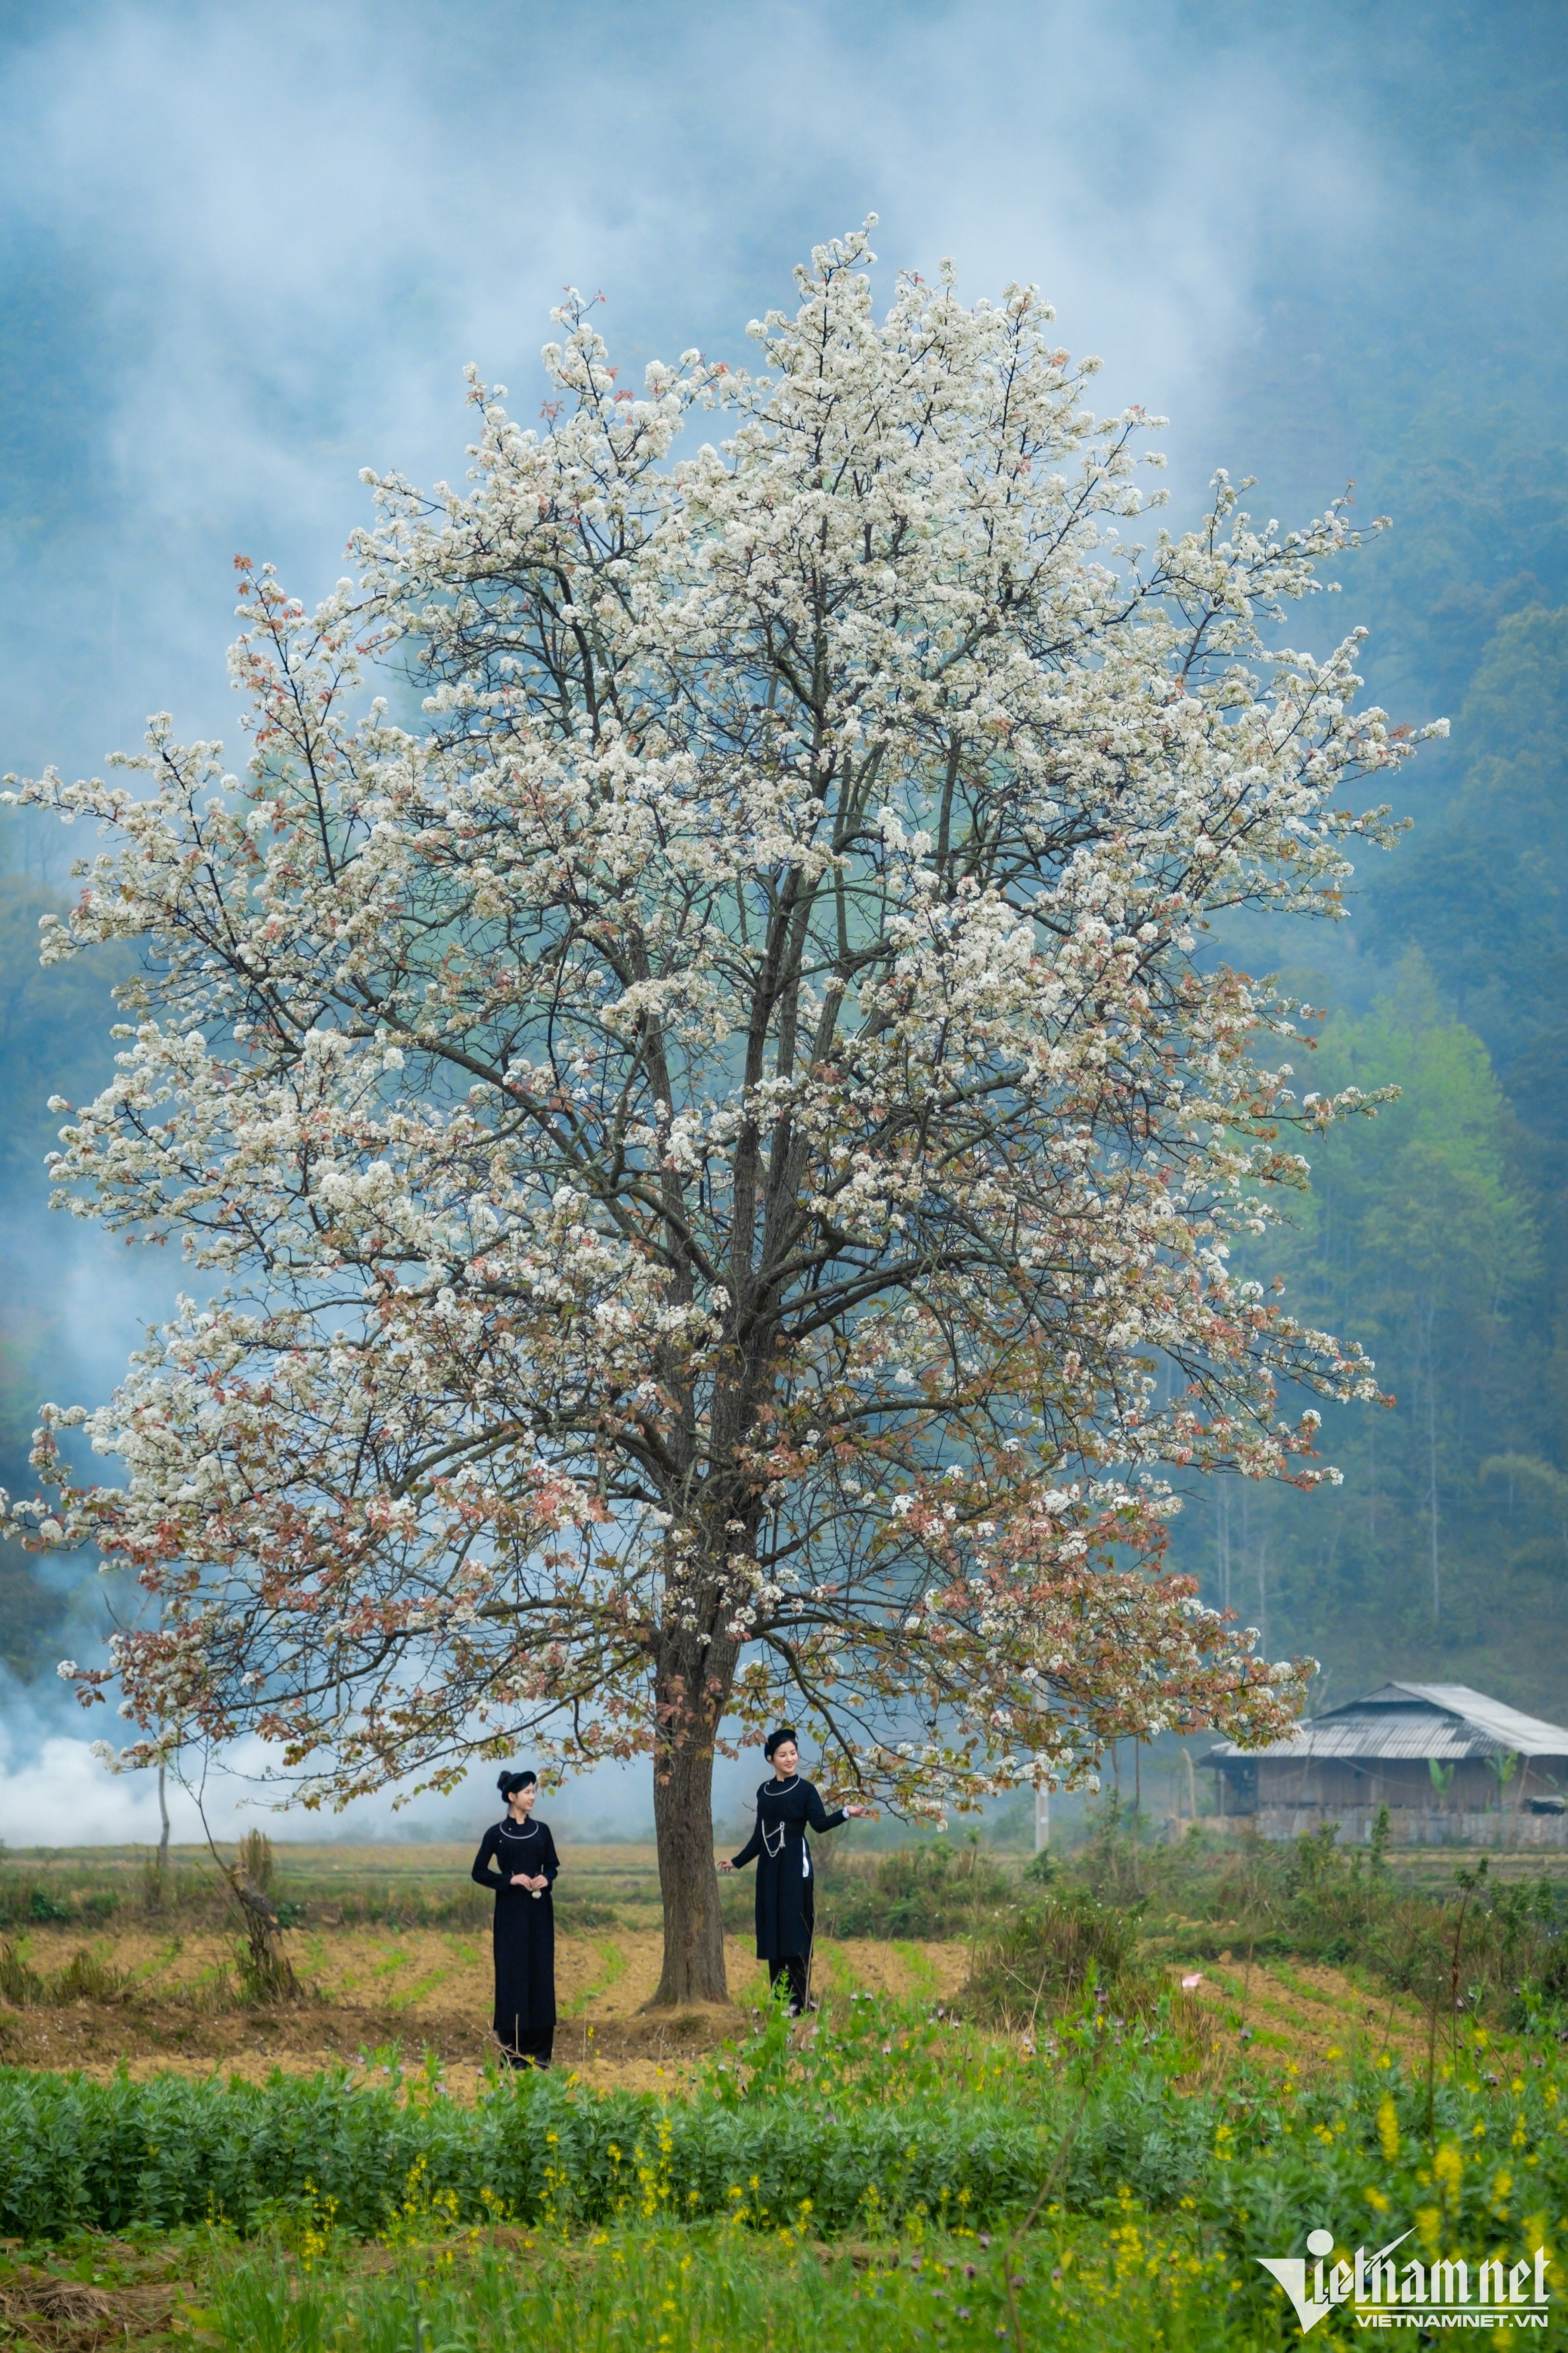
[417,1990]
[1301,2013]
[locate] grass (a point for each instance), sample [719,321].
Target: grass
[1483,1938]
[851,2188]
[933,1890]
[612,1968]
[315,1885]
[920,1973]
[1116,2285]
[1127,1903]
[709,2290]
[888,2116]
[1388,1917]
[1014,1947]
[90,1975]
[1047,1954]
[1371,2049]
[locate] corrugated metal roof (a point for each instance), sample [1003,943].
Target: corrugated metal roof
[1530,1735]
[1443,1721]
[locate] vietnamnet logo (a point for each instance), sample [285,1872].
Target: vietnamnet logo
[1383,2294]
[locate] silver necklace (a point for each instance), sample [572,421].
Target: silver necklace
[510,1828]
[769,1848]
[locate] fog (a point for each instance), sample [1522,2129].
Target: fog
[54,1792]
[246,253]
[253,250]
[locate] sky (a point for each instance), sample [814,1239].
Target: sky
[245,253]
[249,251]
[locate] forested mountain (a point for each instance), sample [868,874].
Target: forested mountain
[1429,367]
[1436,1235]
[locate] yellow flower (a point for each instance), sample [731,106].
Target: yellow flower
[1448,2166]
[1388,2129]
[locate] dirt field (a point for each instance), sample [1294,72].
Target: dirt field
[409,1986]
[420,1990]
[419,1982]
[1302,2013]
[380,1995]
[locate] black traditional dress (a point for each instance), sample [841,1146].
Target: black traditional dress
[785,1909]
[524,1937]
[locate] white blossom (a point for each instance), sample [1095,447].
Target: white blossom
[695,1156]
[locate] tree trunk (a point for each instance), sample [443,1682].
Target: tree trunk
[266,1970]
[683,1822]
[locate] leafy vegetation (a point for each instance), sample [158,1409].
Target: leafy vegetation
[890,2117]
[706,2290]
[933,1890]
[907,2137]
[1474,1943]
[1047,1956]
[853,2179]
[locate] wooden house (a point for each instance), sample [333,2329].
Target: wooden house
[1452,1766]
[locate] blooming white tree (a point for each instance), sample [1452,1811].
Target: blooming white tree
[714,1157]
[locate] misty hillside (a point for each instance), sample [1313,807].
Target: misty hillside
[1400,321]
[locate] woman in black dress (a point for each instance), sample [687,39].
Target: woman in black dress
[786,1910]
[525,1863]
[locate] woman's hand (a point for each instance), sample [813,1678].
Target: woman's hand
[855,1810]
[726,1864]
[521,1879]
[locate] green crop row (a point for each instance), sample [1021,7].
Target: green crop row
[879,2126]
